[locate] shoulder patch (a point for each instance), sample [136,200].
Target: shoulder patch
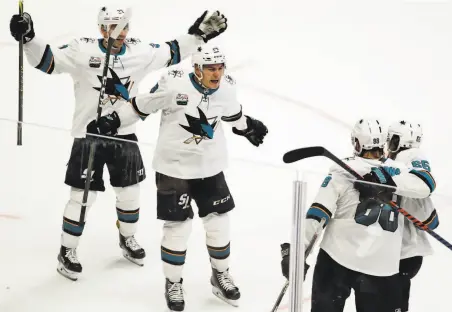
[134,41]
[229,79]
[88,40]
[175,73]
[155,45]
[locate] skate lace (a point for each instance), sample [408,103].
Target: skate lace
[71,254]
[175,292]
[132,243]
[226,280]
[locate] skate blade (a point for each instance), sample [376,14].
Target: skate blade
[73,276]
[139,262]
[219,294]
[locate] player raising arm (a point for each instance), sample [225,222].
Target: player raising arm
[189,161]
[130,61]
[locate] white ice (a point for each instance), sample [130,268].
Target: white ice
[348,59]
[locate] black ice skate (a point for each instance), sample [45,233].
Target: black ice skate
[68,265]
[224,288]
[174,295]
[131,250]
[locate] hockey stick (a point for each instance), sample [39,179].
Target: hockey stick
[21,80]
[306,254]
[115,34]
[302,153]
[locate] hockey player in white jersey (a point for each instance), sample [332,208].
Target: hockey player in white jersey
[403,145]
[189,161]
[361,246]
[131,60]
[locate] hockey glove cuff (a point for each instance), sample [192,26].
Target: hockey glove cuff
[209,26]
[22,25]
[255,131]
[106,125]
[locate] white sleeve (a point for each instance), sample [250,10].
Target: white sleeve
[52,60]
[145,104]
[233,111]
[172,52]
[414,183]
[324,205]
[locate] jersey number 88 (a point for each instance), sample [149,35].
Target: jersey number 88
[370,211]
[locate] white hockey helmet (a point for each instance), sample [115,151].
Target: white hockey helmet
[110,16]
[368,134]
[208,56]
[401,134]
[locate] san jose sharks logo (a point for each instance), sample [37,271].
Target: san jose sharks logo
[202,128]
[116,88]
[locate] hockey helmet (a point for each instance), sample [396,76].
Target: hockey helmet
[368,134]
[208,56]
[110,16]
[401,134]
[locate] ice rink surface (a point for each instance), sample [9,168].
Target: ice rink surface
[308,69]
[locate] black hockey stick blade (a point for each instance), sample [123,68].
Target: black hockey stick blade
[302,153]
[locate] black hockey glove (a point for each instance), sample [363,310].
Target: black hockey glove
[22,25]
[255,131]
[106,125]
[285,262]
[380,175]
[208,26]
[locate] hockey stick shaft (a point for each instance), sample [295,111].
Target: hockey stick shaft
[21,81]
[307,152]
[306,254]
[116,32]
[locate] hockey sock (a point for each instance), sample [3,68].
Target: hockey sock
[218,240]
[127,209]
[174,248]
[72,227]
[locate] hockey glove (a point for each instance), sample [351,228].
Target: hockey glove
[255,131]
[208,26]
[106,125]
[285,262]
[22,25]
[380,175]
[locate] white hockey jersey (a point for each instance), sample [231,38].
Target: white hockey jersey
[84,60]
[191,142]
[415,241]
[362,236]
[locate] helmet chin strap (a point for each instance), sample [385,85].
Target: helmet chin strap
[200,77]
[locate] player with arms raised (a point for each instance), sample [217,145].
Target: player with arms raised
[130,61]
[189,161]
[403,145]
[361,246]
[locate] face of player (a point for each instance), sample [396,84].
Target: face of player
[120,40]
[211,75]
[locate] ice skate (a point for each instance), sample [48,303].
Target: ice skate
[68,264]
[224,288]
[174,295]
[131,250]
